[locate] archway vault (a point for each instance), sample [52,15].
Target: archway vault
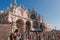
[28,25]
[35,24]
[19,24]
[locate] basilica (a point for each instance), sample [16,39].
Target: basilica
[23,20]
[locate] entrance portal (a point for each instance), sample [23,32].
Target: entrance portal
[19,24]
[28,26]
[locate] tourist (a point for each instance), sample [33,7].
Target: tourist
[12,36]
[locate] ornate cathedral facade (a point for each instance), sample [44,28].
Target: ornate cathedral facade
[23,20]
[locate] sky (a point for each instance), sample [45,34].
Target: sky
[49,9]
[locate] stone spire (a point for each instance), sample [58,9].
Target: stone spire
[22,6]
[42,19]
[10,5]
[14,4]
[28,9]
[39,16]
[33,10]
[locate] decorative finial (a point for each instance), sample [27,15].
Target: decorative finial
[10,5]
[28,9]
[42,19]
[22,6]
[33,9]
[39,16]
[14,3]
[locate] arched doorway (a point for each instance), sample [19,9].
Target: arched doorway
[33,16]
[28,26]
[42,27]
[35,24]
[19,24]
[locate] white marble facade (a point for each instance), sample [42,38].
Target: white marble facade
[12,14]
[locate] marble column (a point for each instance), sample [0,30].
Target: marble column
[31,25]
[14,26]
[24,30]
[31,29]
[42,36]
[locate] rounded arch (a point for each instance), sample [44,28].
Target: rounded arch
[35,24]
[19,24]
[33,16]
[42,26]
[28,25]
[20,21]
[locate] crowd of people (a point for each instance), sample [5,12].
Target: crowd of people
[15,35]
